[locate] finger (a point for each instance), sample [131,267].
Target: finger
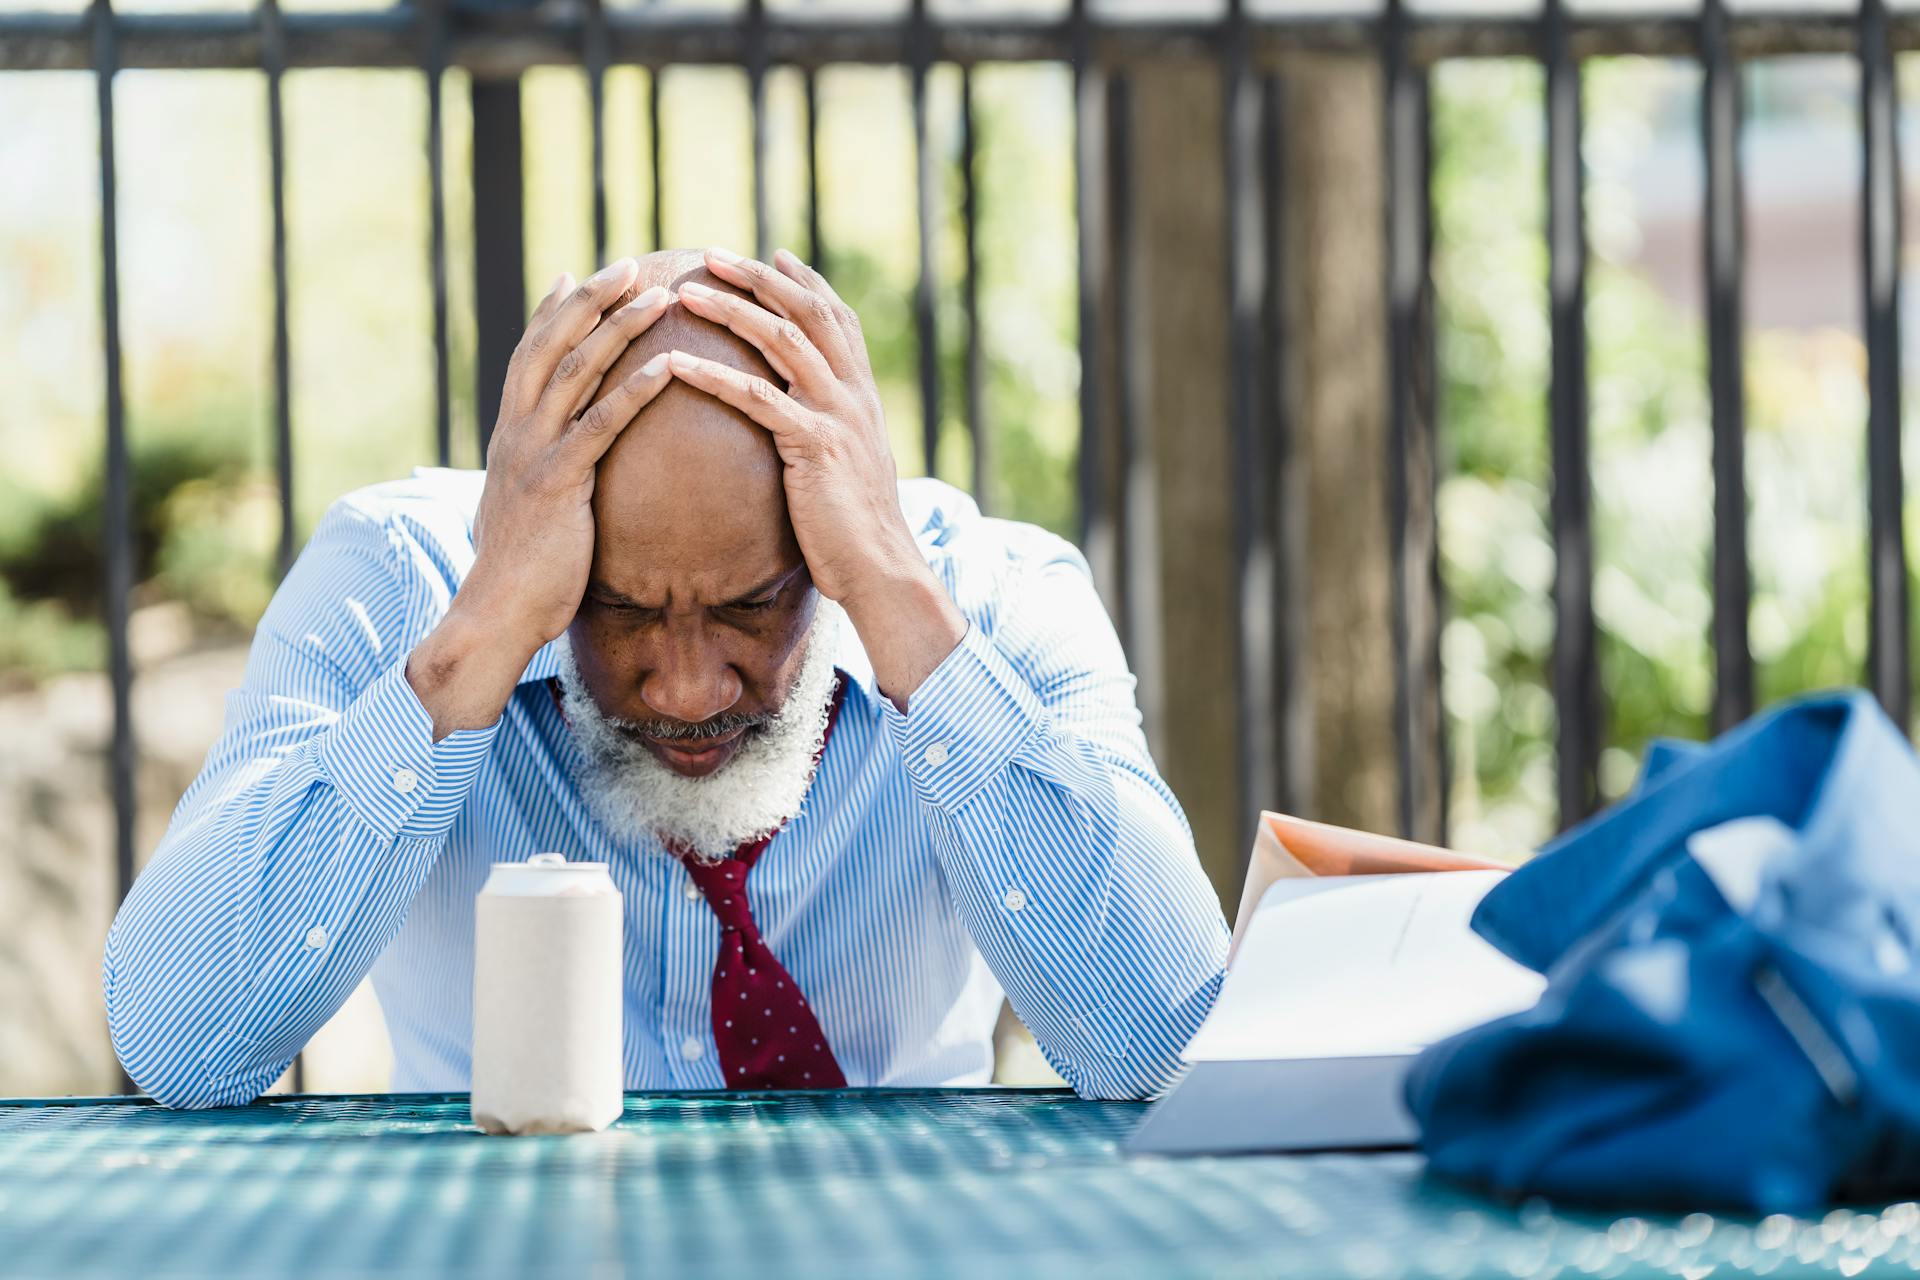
[847,318]
[578,374]
[788,263]
[573,318]
[788,299]
[561,284]
[520,391]
[592,433]
[766,404]
[784,344]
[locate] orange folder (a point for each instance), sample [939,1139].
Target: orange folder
[1291,848]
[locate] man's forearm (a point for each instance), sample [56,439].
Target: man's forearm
[1071,865]
[284,874]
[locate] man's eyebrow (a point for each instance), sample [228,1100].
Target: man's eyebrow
[599,588]
[777,580]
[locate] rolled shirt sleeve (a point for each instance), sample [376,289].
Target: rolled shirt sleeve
[291,861]
[1069,859]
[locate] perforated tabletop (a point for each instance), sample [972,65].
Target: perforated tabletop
[974,1183]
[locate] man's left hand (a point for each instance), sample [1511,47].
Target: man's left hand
[842,494]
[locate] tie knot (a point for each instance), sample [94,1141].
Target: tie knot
[724,885]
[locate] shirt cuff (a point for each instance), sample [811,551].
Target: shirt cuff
[380,755]
[964,722]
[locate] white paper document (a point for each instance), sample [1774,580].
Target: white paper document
[1338,983]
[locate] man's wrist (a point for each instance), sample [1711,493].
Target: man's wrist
[464,672]
[908,624]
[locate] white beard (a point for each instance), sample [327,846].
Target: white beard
[633,795]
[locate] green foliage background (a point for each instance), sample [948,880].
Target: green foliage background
[1651,442]
[195,282]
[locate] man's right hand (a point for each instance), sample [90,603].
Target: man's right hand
[533,533]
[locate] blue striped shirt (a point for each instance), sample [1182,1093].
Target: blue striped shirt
[1009,833]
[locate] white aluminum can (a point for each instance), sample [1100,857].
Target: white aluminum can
[547,998]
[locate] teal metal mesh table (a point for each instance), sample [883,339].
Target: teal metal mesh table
[974,1183]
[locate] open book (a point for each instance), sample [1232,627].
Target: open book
[1335,983]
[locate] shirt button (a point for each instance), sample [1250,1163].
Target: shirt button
[691,1049]
[1015,899]
[935,754]
[692,891]
[316,938]
[405,780]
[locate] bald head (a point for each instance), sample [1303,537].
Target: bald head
[681,330]
[689,462]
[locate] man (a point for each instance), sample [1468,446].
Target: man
[688,623]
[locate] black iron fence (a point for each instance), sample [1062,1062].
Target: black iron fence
[495,45]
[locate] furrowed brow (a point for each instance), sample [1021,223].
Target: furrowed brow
[605,592]
[777,581]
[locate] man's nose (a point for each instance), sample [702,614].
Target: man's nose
[691,681]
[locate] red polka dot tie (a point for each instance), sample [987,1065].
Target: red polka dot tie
[766,1032]
[764,1028]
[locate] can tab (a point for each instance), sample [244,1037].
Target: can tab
[547,860]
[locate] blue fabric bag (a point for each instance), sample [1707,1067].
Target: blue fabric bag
[1732,1013]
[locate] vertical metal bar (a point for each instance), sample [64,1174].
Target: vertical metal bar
[1575,674]
[273,57]
[273,62]
[1411,461]
[756,60]
[433,63]
[1435,822]
[595,56]
[1098,535]
[1888,657]
[1286,496]
[975,387]
[117,513]
[816,242]
[927,188]
[1398,79]
[1724,255]
[655,125]
[1252,547]
[499,247]
[1136,543]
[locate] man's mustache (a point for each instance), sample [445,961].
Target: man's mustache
[720,726]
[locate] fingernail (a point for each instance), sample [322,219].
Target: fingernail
[651,298]
[680,360]
[557,282]
[723,255]
[690,289]
[656,366]
[611,270]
